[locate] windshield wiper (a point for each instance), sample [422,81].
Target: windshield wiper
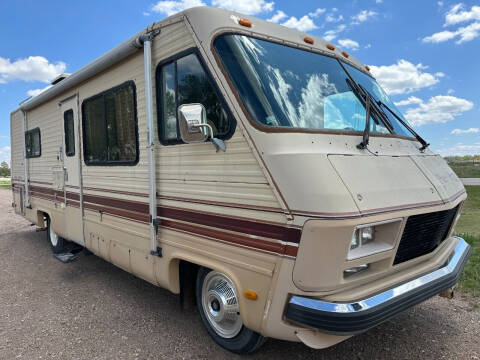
[366,100]
[422,141]
[370,106]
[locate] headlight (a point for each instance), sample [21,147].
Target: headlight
[362,237]
[373,238]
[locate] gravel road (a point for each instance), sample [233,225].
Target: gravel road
[470,181]
[89,309]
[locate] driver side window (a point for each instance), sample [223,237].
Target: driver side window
[184,81]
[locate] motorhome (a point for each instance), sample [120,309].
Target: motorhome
[262,169]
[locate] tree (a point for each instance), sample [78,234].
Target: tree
[4,169]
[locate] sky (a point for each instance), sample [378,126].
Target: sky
[424,53]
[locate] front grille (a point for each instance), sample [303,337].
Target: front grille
[423,233]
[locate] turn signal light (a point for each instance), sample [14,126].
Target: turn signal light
[330,47]
[308,40]
[250,294]
[245,22]
[345,54]
[367,67]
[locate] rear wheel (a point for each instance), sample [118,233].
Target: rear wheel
[217,301]
[57,243]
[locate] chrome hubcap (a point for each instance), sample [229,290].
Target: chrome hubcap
[53,237]
[220,304]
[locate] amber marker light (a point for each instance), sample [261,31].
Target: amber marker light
[308,40]
[245,22]
[367,67]
[345,54]
[330,47]
[250,295]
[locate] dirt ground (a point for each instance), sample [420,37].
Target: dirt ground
[90,309]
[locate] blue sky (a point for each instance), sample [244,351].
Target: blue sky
[425,53]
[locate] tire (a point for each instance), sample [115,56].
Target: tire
[57,243]
[217,302]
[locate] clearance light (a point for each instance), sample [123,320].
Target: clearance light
[330,47]
[250,295]
[245,22]
[308,40]
[345,54]
[367,67]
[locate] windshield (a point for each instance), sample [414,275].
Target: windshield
[291,88]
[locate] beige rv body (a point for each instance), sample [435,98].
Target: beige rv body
[275,212]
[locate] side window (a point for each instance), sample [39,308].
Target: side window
[184,81]
[110,130]
[68,125]
[33,143]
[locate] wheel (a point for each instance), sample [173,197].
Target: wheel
[57,243]
[217,302]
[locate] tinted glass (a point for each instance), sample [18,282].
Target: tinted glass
[287,87]
[32,143]
[184,82]
[110,127]
[169,128]
[68,124]
[94,133]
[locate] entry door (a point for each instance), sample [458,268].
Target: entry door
[71,153]
[71,144]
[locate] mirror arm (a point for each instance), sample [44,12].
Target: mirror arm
[219,144]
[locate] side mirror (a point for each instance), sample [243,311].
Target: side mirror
[192,121]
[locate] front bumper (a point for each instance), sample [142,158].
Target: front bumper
[355,317]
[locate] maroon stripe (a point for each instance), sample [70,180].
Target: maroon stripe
[227,223]
[227,237]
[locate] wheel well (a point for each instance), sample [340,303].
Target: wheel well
[41,216]
[187,277]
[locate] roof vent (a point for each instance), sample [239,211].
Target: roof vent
[59,78]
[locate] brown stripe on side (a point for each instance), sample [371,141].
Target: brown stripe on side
[272,231]
[227,237]
[131,215]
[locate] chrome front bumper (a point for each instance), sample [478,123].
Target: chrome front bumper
[355,317]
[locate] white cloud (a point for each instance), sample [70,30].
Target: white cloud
[349,44]
[403,77]
[440,4]
[332,34]
[460,149]
[438,109]
[466,33]
[170,7]
[278,16]
[249,7]
[378,1]
[458,14]
[36,92]
[411,100]
[466,131]
[450,91]
[305,23]
[317,12]
[145,13]
[333,19]
[363,16]
[33,68]
[368,46]
[5,154]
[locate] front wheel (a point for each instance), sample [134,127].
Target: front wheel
[57,243]
[217,301]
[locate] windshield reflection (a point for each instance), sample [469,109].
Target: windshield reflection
[286,87]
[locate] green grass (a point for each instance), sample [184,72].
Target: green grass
[466,171]
[5,184]
[469,228]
